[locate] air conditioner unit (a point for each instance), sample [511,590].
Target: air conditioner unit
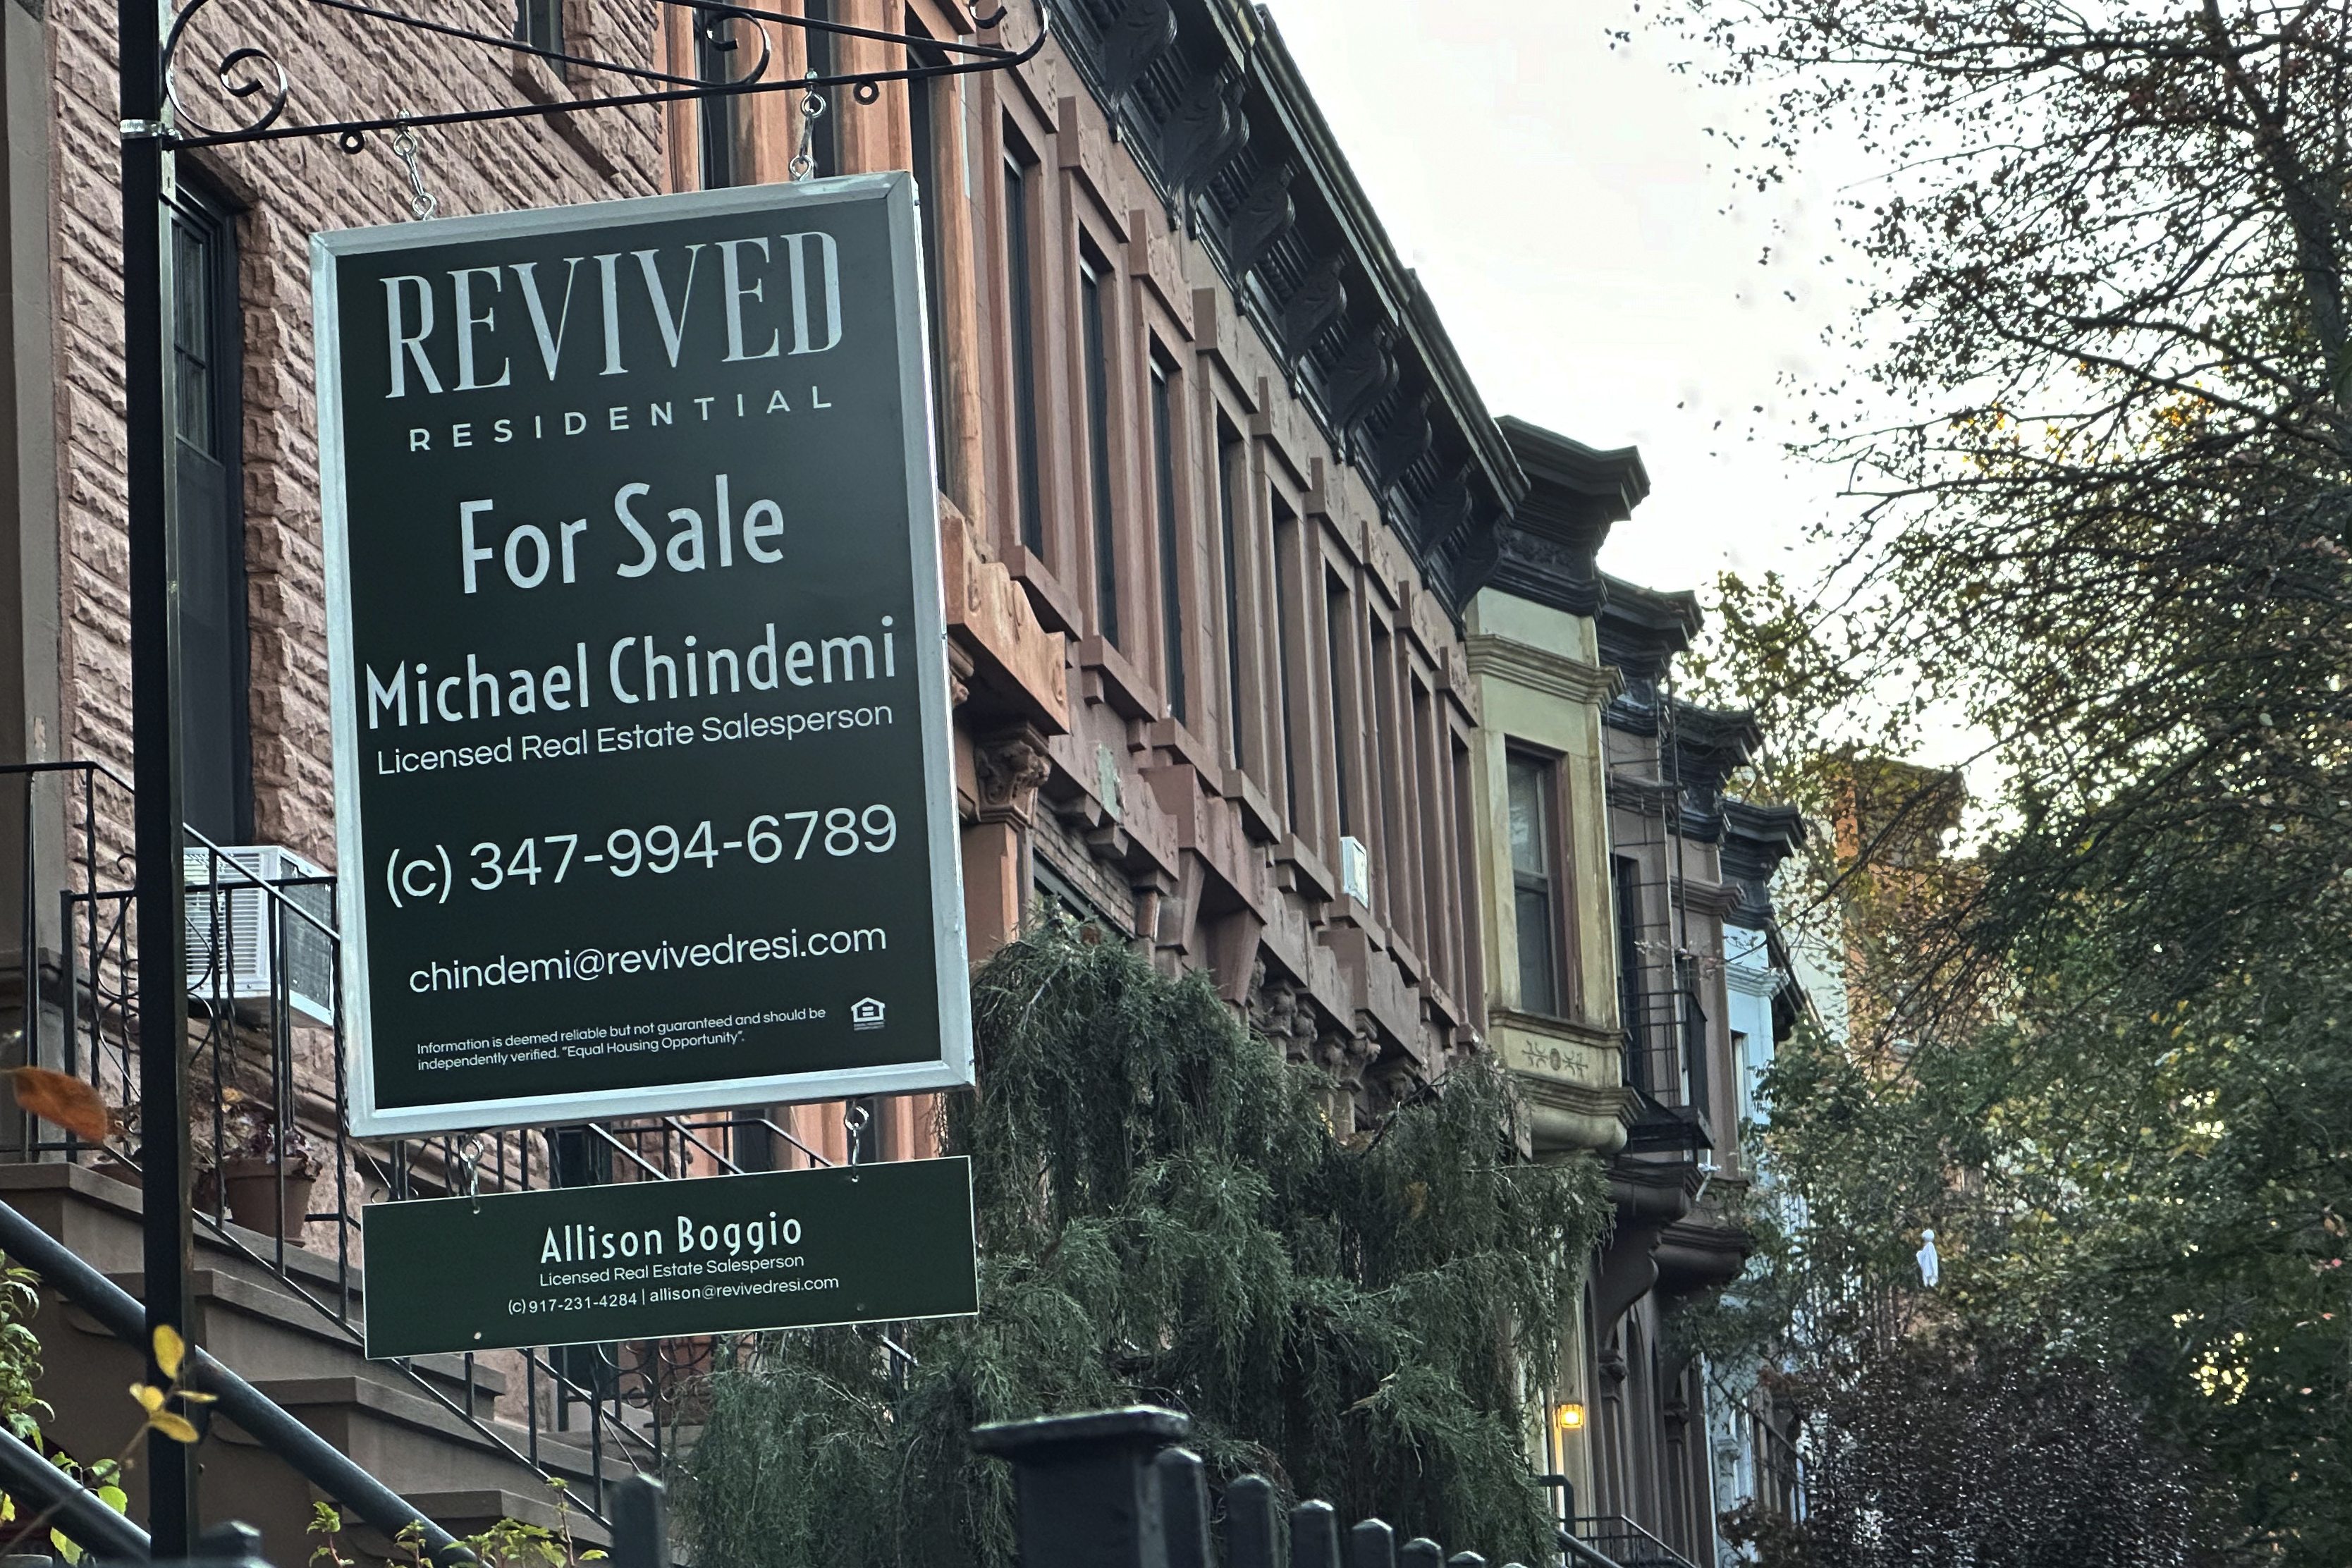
[237,944]
[1356,870]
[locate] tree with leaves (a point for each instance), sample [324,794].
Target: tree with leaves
[1166,1215]
[2107,527]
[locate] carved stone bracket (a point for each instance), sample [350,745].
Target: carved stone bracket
[1282,1015]
[1009,766]
[1266,212]
[1131,41]
[1363,377]
[1316,304]
[1404,441]
[1206,129]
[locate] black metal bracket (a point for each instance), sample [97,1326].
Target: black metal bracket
[250,70]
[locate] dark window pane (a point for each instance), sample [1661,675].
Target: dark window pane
[1228,459]
[1022,323]
[1529,789]
[1335,614]
[1530,817]
[1286,584]
[1538,986]
[1171,598]
[540,24]
[1097,367]
[1627,883]
[208,525]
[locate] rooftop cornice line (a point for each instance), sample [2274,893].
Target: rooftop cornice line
[1207,97]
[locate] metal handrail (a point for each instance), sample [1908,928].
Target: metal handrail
[80,1514]
[1649,1551]
[623,1416]
[312,1456]
[1580,1552]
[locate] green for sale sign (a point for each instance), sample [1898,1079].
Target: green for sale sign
[642,770]
[636,1260]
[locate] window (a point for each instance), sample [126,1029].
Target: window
[1693,1044]
[1229,456]
[824,138]
[1286,588]
[923,103]
[1746,1073]
[540,24]
[1626,880]
[714,61]
[1387,827]
[1336,628]
[1535,900]
[208,522]
[1097,348]
[1021,320]
[1171,551]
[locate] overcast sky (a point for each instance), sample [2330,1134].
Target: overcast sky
[1596,274]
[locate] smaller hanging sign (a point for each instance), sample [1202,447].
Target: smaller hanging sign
[640,1260]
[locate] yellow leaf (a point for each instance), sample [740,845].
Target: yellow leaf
[66,1549]
[170,1350]
[65,1099]
[175,1427]
[150,1397]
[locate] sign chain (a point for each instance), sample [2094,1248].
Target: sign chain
[469,1153]
[804,163]
[421,202]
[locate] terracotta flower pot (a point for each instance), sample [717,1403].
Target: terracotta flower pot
[249,1189]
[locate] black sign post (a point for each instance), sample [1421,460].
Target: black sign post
[643,781]
[636,1260]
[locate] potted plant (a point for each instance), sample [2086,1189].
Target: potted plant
[254,1157]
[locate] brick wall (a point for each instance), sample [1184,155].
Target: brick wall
[340,66]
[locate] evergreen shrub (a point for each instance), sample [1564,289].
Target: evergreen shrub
[1166,1216]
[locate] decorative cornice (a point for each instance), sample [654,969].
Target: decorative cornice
[1541,670]
[1717,898]
[1206,97]
[1548,544]
[1617,1103]
[1642,629]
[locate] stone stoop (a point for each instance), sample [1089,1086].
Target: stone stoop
[417,1444]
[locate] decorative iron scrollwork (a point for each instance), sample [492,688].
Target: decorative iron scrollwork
[249,69]
[226,72]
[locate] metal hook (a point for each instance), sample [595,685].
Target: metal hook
[804,163]
[422,203]
[470,1159]
[853,1122]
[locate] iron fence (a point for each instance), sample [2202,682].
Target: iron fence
[1111,1490]
[280,1181]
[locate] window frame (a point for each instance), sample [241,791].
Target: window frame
[1096,284]
[1547,882]
[1164,395]
[1021,181]
[193,209]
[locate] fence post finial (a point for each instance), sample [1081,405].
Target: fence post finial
[1089,1495]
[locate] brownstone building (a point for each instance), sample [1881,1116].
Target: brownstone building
[1215,498]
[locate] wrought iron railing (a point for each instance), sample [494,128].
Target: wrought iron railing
[1626,1543]
[280,1182]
